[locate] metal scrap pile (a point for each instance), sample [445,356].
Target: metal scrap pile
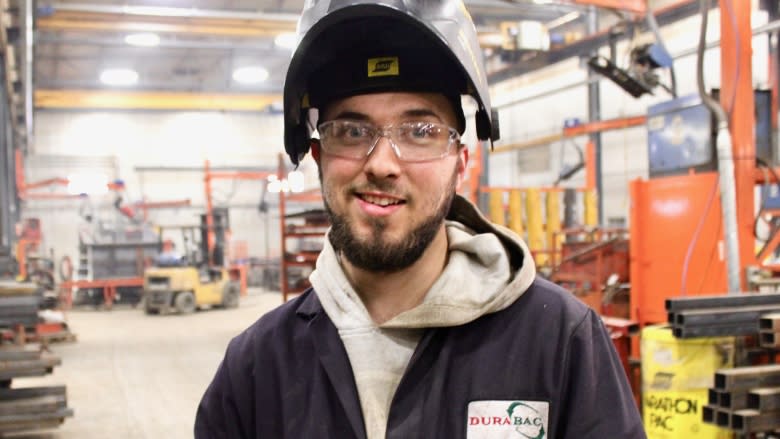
[32,408]
[18,304]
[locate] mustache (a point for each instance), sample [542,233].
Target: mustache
[382,186]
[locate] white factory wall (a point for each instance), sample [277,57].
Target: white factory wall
[159,156]
[624,152]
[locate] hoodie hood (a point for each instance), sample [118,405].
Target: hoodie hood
[489,267]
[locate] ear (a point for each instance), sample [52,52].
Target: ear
[463,164]
[314,146]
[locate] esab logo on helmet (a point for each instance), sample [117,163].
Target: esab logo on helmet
[387,66]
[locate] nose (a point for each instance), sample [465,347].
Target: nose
[382,161]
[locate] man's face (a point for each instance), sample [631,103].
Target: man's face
[385,212]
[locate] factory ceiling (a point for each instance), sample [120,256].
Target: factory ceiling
[199,46]
[211,54]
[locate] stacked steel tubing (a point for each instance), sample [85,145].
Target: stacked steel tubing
[745,399]
[769,327]
[726,315]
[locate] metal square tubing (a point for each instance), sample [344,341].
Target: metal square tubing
[770,322]
[764,399]
[676,304]
[715,316]
[694,331]
[769,339]
[747,377]
[753,421]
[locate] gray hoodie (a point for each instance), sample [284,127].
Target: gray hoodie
[479,279]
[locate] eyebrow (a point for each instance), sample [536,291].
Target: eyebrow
[417,112]
[351,115]
[421,112]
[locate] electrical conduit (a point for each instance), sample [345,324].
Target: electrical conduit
[725,154]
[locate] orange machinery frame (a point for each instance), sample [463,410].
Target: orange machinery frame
[108,286]
[312,195]
[22,187]
[690,192]
[669,213]
[208,177]
[28,240]
[280,174]
[22,190]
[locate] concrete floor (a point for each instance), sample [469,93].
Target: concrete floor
[130,375]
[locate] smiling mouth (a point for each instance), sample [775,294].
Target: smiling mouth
[380,201]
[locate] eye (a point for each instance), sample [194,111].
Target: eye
[421,133]
[422,130]
[352,132]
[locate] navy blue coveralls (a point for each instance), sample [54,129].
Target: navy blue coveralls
[288,375]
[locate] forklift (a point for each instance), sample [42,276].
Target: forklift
[199,278]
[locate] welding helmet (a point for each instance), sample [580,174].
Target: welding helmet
[352,47]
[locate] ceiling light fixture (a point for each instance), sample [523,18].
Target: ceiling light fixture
[250,75]
[286,40]
[143,39]
[120,77]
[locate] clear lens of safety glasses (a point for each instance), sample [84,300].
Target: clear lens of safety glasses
[412,141]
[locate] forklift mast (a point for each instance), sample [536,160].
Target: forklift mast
[221,226]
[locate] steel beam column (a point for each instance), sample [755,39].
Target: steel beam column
[9,203]
[773,9]
[27,71]
[5,188]
[594,114]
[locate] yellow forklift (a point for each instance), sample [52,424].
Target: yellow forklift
[197,279]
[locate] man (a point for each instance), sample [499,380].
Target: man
[424,320]
[168,257]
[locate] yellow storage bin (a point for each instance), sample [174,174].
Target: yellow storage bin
[676,374]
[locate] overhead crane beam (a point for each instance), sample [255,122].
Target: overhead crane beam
[166,11]
[577,130]
[635,6]
[113,22]
[117,22]
[103,99]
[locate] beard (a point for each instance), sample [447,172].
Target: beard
[376,253]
